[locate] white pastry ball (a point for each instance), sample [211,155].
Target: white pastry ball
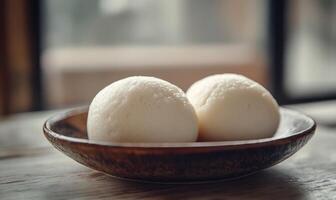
[233,107]
[142,109]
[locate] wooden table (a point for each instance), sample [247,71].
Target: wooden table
[31,169]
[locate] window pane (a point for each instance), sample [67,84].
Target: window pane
[311,56]
[90,44]
[146,22]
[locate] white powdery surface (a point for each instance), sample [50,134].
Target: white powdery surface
[233,107]
[142,109]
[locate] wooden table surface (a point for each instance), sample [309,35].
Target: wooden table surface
[30,168]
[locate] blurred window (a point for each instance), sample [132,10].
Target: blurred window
[89,44]
[82,23]
[311,54]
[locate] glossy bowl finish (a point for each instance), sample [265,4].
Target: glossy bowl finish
[176,162]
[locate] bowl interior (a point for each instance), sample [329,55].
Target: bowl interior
[72,126]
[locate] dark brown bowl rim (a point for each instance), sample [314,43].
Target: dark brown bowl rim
[253,142]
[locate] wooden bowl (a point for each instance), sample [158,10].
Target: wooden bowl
[178,162]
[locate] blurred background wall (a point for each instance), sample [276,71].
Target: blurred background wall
[60,53]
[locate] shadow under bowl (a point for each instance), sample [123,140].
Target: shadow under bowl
[178,162]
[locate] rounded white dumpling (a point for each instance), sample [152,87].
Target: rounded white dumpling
[233,107]
[142,109]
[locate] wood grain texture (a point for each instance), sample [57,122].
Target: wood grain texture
[32,169]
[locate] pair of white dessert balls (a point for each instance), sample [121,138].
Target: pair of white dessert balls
[216,108]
